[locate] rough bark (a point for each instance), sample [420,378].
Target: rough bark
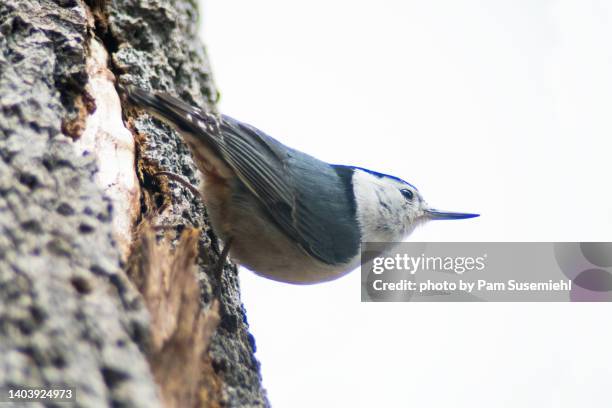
[99,260]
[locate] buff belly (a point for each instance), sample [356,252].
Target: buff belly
[257,243]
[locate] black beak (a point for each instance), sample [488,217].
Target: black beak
[448,215]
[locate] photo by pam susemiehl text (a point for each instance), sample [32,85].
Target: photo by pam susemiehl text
[493,271]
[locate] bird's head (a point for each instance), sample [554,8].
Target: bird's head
[389,208]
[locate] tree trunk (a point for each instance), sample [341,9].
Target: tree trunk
[108,278]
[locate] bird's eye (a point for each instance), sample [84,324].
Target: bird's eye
[407,194]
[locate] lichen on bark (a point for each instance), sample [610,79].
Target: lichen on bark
[68,313]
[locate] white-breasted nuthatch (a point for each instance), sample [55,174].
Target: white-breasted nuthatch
[290,217]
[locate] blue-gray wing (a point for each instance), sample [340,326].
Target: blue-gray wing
[309,200]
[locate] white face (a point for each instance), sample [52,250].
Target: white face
[388,209]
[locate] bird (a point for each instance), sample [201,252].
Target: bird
[287,215]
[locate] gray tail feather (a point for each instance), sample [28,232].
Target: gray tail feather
[186,118]
[183,116]
[164,105]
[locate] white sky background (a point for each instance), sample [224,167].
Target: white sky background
[496,107]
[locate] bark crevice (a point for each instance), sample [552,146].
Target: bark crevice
[69,315]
